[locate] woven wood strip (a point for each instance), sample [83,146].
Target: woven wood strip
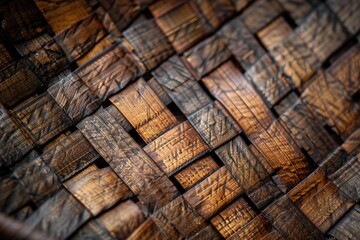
[180,119]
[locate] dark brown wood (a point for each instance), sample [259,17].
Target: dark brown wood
[265,194]
[274,33]
[70,155]
[155,49]
[182,24]
[352,143]
[59,217]
[348,227]
[214,124]
[176,148]
[5,55]
[42,118]
[80,37]
[348,13]
[111,71]
[181,86]
[119,117]
[216,12]
[213,193]
[206,233]
[242,44]
[144,110]
[286,103]
[207,55]
[298,9]
[92,230]
[159,91]
[196,172]
[74,97]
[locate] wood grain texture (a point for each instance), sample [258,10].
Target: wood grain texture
[144,110]
[241,42]
[348,227]
[269,79]
[332,107]
[242,164]
[61,14]
[265,194]
[307,132]
[181,22]
[260,13]
[14,143]
[297,9]
[176,148]
[206,233]
[207,55]
[317,192]
[196,172]
[159,91]
[119,117]
[216,12]
[127,159]
[155,49]
[70,155]
[286,103]
[240,4]
[213,193]
[122,220]
[178,219]
[214,124]
[92,230]
[42,118]
[232,218]
[74,97]
[290,221]
[6,57]
[347,13]
[149,230]
[181,86]
[352,143]
[111,71]
[99,190]
[67,214]
[39,180]
[274,33]
[335,161]
[296,60]
[25,24]
[80,37]
[17,82]
[258,228]
[322,32]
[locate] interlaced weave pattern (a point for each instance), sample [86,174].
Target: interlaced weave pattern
[171,119]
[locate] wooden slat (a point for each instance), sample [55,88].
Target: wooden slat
[122,220]
[182,24]
[240,4]
[17,82]
[111,71]
[216,12]
[108,23]
[144,110]
[13,141]
[59,217]
[242,164]
[332,107]
[286,103]
[42,117]
[92,230]
[5,55]
[320,200]
[39,180]
[181,86]
[196,172]
[258,228]
[159,91]
[296,60]
[260,13]
[352,143]
[61,14]
[74,97]
[335,161]
[70,155]
[127,159]
[290,221]
[206,233]
[178,219]
[214,124]
[298,9]
[348,13]
[322,32]
[176,148]
[207,55]
[265,194]
[213,193]
[119,117]
[269,79]
[149,230]
[242,44]
[80,37]
[349,226]
[21,20]
[99,190]
[234,217]
[307,132]
[155,49]
[274,33]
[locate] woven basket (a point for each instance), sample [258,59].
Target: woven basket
[170,119]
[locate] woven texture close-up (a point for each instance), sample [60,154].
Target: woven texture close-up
[176,119]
